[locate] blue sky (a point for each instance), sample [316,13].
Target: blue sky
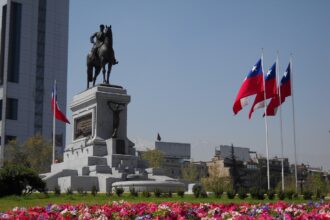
[183,62]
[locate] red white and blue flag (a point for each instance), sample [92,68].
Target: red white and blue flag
[58,114]
[270,91]
[252,84]
[284,91]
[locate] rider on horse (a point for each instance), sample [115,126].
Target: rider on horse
[99,41]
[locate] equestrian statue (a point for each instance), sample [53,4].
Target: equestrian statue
[101,54]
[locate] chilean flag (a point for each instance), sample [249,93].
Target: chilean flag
[285,91]
[251,85]
[270,84]
[58,114]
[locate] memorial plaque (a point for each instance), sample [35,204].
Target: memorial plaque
[83,126]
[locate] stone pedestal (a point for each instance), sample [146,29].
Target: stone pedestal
[99,146]
[100,153]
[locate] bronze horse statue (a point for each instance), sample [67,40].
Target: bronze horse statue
[105,55]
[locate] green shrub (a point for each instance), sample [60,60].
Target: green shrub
[242,193]
[169,194]
[81,191]
[308,195]
[319,194]
[57,190]
[203,194]
[197,190]
[281,195]
[119,191]
[261,194]
[69,191]
[180,193]
[271,194]
[16,180]
[157,193]
[109,194]
[231,194]
[94,191]
[146,194]
[133,192]
[289,194]
[254,193]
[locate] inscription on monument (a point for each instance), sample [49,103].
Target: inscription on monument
[83,126]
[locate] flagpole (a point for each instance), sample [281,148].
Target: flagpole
[54,122]
[294,126]
[266,126]
[281,124]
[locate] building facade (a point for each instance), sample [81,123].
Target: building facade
[175,154]
[33,53]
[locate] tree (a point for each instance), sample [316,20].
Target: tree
[35,153]
[215,183]
[154,157]
[16,179]
[190,172]
[315,184]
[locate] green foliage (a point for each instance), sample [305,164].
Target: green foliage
[190,173]
[217,185]
[271,194]
[289,194]
[242,193]
[257,193]
[203,194]
[146,194]
[81,191]
[69,191]
[168,194]
[197,190]
[157,193]
[18,180]
[57,190]
[133,192]
[35,153]
[154,157]
[308,195]
[315,183]
[94,191]
[119,191]
[231,194]
[180,193]
[281,195]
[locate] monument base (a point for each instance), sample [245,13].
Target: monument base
[100,152]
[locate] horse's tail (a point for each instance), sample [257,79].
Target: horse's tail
[89,68]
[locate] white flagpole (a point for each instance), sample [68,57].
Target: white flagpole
[266,126]
[54,122]
[294,126]
[281,125]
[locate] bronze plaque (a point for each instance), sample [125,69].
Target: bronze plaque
[83,126]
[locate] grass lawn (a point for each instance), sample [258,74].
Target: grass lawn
[37,199]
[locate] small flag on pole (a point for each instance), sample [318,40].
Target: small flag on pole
[158,137]
[284,91]
[252,84]
[58,114]
[270,84]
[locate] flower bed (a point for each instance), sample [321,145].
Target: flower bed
[170,210]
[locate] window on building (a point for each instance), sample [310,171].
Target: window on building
[11,108]
[14,41]
[0,109]
[9,138]
[3,40]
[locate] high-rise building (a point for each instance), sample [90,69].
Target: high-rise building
[33,53]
